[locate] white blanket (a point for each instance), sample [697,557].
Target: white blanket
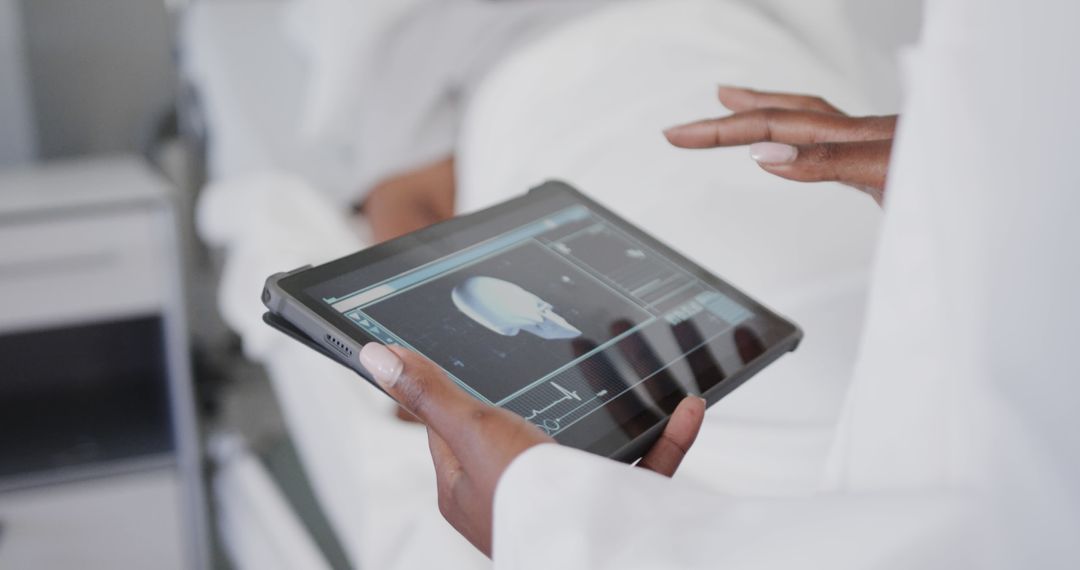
[586,105]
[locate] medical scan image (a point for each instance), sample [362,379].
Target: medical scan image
[509,319]
[507,309]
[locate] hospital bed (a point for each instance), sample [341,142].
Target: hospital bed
[595,111]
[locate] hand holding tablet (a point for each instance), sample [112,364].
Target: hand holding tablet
[472,443]
[548,306]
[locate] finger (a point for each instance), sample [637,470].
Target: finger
[706,370]
[780,125]
[679,434]
[741,99]
[864,165]
[405,415]
[483,437]
[419,387]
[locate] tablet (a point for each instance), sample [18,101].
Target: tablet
[548,305]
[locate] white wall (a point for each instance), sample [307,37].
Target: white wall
[17,138]
[99,71]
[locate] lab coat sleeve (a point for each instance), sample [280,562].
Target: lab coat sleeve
[557,507]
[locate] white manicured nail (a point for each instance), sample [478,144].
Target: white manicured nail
[383,364]
[773,153]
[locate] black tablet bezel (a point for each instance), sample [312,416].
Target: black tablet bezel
[625,443]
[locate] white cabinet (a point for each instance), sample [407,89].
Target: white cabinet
[99,454]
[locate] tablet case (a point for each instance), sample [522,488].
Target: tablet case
[629,453]
[298,335]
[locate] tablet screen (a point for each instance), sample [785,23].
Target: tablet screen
[561,313]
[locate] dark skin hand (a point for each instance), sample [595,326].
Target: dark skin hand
[408,202]
[798,137]
[473,443]
[411,200]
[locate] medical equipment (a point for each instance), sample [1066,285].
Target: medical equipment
[650,325]
[97,418]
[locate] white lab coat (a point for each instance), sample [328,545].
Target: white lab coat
[959,446]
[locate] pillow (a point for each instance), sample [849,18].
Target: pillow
[340,39]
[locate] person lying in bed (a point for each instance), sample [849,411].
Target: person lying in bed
[429,65]
[411,200]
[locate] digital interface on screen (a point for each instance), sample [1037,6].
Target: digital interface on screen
[552,319]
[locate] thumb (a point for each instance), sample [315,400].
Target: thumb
[862,164]
[419,386]
[679,434]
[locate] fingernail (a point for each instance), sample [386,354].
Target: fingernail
[703,400]
[383,364]
[773,153]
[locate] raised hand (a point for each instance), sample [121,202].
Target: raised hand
[798,137]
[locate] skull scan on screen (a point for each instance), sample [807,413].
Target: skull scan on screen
[507,309]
